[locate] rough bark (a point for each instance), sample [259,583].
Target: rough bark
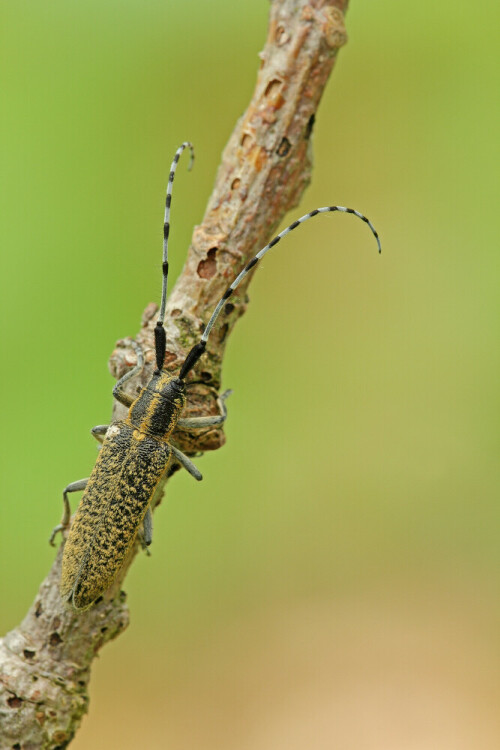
[45,662]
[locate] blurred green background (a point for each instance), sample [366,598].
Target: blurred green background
[334,580]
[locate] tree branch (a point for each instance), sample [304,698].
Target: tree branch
[45,663]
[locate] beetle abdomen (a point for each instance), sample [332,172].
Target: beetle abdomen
[127,471]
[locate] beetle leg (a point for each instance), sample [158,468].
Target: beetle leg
[118,392]
[186,462]
[146,533]
[195,422]
[99,432]
[73,487]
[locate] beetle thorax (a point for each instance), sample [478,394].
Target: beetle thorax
[158,407]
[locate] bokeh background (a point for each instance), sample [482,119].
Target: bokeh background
[333,583]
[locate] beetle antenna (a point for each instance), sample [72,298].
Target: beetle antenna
[160,335]
[198,349]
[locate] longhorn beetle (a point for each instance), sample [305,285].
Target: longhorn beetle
[136,451]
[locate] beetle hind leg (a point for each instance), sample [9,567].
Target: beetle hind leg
[146,532]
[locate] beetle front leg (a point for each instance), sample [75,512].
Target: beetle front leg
[196,422]
[118,391]
[73,487]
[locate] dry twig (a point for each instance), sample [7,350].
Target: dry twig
[45,663]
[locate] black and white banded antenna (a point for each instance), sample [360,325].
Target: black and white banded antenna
[160,335]
[198,349]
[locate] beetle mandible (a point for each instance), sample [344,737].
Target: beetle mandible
[136,452]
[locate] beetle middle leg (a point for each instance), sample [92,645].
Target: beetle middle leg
[73,487]
[99,432]
[197,422]
[186,463]
[146,533]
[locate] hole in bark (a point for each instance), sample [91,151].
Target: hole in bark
[235,183]
[55,639]
[175,313]
[207,268]
[14,701]
[60,736]
[38,610]
[98,600]
[17,746]
[103,630]
[310,126]
[228,308]
[56,622]
[246,140]
[273,87]
[284,147]
[282,36]
[62,740]
[28,653]
[223,331]
[206,376]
